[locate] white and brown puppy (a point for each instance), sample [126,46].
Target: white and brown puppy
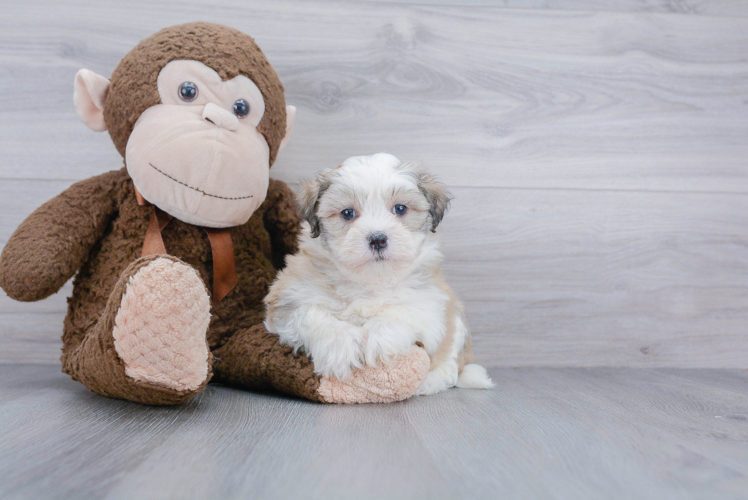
[366,283]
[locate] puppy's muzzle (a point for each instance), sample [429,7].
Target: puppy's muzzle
[378,241]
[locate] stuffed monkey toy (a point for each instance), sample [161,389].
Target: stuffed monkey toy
[174,253]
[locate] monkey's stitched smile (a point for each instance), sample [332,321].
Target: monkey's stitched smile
[196,189]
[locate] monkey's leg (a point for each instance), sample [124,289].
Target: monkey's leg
[253,358]
[149,345]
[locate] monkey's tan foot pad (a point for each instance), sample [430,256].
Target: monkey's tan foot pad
[160,328]
[384,384]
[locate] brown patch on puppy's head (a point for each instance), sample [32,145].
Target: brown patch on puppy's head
[227,51]
[437,196]
[308,200]
[434,191]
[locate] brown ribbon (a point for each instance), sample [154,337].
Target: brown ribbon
[221,246]
[224,267]
[154,243]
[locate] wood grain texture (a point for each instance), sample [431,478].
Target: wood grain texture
[542,433]
[557,278]
[486,96]
[598,158]
[689,7]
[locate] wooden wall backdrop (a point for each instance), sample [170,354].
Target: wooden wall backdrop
[598,158]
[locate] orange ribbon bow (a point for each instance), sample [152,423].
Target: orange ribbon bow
[221,246]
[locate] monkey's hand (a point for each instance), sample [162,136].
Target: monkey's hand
[384,384]
[54,241]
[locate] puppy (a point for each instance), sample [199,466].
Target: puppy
[366,283]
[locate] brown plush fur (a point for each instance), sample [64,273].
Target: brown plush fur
[90,356]
[96,228]
[96,225]
[228,51]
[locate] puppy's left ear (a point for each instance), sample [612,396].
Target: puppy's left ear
[309,199]
[437,196]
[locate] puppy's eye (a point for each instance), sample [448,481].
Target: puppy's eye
[188,91]
[241,108]
[399,209]
[348,213]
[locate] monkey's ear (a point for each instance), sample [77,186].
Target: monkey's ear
[89,95]
[290,120]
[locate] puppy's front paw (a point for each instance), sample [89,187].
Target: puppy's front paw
[344,352]
[386,341]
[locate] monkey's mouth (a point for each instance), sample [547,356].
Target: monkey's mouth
[197,189]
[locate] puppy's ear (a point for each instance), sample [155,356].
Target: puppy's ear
[437,196]
[309,200]
[308,205]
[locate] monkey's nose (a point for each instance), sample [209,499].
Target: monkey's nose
[221,117]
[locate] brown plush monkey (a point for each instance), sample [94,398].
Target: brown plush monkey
[199,115]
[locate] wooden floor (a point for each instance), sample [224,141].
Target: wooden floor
[542,433]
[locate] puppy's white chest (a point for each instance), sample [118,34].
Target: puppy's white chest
[417,310]
[360,310]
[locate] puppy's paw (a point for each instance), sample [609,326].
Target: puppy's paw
[385,384]
[386,341]
[338,356]
[437,381]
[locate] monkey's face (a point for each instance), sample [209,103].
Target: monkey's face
[193,131]
[198,155]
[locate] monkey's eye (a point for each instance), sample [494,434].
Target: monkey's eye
[399,209]
[188,91]
[348,213]
[241,108]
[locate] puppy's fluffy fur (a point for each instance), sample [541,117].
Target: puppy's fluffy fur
[366,283]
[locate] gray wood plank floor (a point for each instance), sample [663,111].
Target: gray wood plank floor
[542,433]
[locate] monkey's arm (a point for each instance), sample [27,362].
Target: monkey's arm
[53,242]
[282,221]
[254,358]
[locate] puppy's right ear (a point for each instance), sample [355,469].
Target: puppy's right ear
[308,202]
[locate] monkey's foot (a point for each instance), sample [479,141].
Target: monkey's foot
[384,384]
[160,328]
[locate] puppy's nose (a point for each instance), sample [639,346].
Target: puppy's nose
[378,241]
